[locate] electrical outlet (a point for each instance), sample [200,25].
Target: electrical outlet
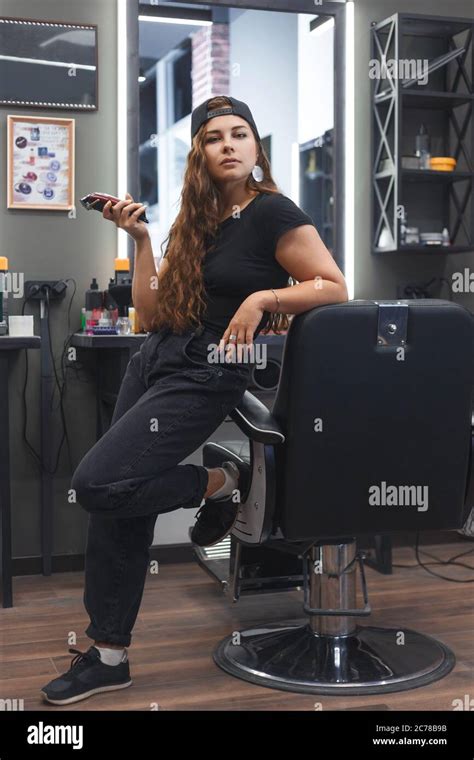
[37,289]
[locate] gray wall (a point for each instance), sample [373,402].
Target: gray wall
[378,276]
[49,245]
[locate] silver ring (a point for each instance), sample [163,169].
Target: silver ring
[232,337]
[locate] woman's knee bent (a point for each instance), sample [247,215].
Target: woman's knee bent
[93,497]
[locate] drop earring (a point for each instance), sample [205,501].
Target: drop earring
[257,173]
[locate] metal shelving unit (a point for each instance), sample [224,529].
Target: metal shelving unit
[445,103]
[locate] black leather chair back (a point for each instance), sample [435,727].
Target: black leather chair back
[359,412]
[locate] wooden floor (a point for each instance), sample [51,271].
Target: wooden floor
[184,615]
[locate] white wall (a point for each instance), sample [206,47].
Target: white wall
[315,79]
[264,59]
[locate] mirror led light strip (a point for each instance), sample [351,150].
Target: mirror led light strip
[349,170]
[42,103]
[171,20]
[44,23]
[122,131]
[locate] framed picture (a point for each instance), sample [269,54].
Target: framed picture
[48,64]
[40,163]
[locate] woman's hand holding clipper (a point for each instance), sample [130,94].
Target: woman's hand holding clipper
[125,215]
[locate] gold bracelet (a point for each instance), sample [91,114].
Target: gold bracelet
[278,301]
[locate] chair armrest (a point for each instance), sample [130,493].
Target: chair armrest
[256,421]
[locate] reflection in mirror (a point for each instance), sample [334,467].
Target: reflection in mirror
[288,82]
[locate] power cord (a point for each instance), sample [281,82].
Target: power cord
[438,561]
[25,410]
[63,418]
[422,291]
[61,386]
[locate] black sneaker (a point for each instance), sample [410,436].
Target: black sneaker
[87,675]
[216,519]
[214,522]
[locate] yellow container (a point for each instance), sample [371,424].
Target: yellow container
[132,315]
[122,265]
[443,163]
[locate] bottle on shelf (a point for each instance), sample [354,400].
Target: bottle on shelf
[445,237]
[94,306]
[132,315]
[110,304]
[122,277]
[403,227]
[123,325]
[105,320]
[122,271]
[423,147]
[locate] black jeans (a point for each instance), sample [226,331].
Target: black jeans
[170,401]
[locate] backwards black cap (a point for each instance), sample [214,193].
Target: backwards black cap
[201,114]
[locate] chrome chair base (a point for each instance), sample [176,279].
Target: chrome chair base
[369,661]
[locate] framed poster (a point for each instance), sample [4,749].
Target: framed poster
[40,158]
[48,64]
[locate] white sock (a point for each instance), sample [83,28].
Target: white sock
[112,656]
[226,489]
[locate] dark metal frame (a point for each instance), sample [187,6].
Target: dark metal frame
[329,9]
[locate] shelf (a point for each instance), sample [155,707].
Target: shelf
[421,25]
[418,25]
[432,175]
[436,100]
[425,175]
[427,249]
[431,99]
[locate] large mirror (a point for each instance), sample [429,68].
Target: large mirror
[48,64]
[285,64]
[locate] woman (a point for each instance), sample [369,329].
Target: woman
[234,240]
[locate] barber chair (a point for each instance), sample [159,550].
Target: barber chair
[369,433]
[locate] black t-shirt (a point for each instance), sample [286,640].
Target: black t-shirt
[242,259]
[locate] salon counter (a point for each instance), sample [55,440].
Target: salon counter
[111,354]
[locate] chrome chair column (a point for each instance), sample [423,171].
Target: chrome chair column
[331,654]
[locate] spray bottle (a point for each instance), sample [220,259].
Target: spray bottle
[94,298]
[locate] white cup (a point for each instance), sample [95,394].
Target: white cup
[20,327]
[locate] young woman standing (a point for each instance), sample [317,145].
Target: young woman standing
[231,250]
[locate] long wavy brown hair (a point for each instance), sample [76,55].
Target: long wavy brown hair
[181,287]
